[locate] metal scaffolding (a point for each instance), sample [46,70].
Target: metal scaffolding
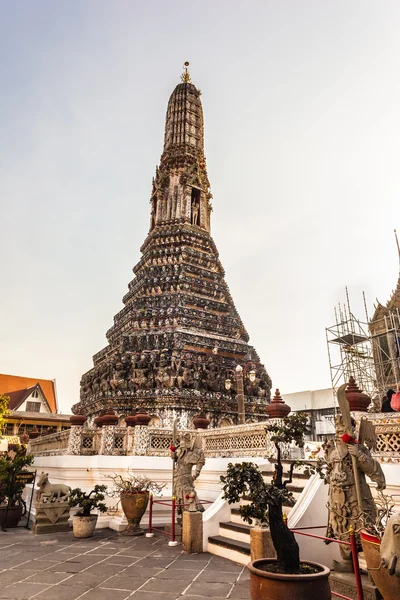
[351,352]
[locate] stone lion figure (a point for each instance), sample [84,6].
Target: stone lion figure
[390,545]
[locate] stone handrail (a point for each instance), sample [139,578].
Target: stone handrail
[240,440]
[50,445]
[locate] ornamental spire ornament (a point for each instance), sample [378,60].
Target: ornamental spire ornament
[185,77]
[161,348]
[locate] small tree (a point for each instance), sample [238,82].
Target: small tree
[11,465]
[4,402]
[90,501]
[266,500]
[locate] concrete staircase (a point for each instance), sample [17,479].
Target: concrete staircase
[233,540]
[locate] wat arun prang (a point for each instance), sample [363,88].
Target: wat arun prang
[179,336]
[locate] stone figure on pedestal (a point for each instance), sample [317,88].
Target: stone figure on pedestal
[188,455]
[343,505]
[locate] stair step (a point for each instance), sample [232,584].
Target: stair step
[224,542]
[239,527]
[240,532]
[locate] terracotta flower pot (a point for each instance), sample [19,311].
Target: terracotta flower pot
[83,527]
[388,585]
[265,585]
[134,506]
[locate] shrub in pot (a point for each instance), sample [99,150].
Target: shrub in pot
[84,522]
[284,576]
[13,463]
[133,492]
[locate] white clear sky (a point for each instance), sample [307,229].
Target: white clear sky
[301,102]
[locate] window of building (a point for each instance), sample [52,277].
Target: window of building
[35,394]
[33,406]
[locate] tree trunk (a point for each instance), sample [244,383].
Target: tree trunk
[287,549]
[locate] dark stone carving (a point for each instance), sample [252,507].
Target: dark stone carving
[178,308]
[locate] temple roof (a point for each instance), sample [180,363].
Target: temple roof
[14,383]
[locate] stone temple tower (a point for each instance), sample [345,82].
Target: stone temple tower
[179,337]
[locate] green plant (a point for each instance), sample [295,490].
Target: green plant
[133,484]
[90,501]
[11,465]
[4,402]
[266,499]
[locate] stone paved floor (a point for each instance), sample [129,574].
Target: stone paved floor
[112,567]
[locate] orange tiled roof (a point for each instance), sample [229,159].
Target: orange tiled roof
[13,383]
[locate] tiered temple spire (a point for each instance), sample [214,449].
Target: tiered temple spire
[172,346]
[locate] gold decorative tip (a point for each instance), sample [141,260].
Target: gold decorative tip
[185,77]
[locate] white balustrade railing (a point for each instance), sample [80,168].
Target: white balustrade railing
[240,440]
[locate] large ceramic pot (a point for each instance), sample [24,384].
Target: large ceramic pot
[13,516]
[265,585]
[83,527]
[134,507]
[388,585]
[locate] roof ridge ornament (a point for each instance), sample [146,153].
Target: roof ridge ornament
[185,77]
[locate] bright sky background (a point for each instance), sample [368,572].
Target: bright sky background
[302,130]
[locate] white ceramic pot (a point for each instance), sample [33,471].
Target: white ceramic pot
[83,527]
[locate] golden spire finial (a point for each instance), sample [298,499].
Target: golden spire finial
[185,77]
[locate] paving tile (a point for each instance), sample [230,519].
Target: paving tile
[166,585]
[9,576]
[136,551]
[65,567]
[9,563]
[103,568]
[225,565]
[48,577]
[105,550]
[160,563]
[135,571]
[244,575]
[209,590]
[99,594]
[142,595]
[22,590]
[124,583]
[241,590]
[121,560]
[186,566]
[85,579]
[178,574]
[31,565]
[61,556]
[61,592]
[215,576]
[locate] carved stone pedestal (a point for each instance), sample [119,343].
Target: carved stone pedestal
[261,545]
[51,517]
[192,532]
[345,583]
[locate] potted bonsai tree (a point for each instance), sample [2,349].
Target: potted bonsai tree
[84,522]
[133,492]
[12,464]
[284,576]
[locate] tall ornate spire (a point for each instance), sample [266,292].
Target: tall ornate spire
[179,335]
